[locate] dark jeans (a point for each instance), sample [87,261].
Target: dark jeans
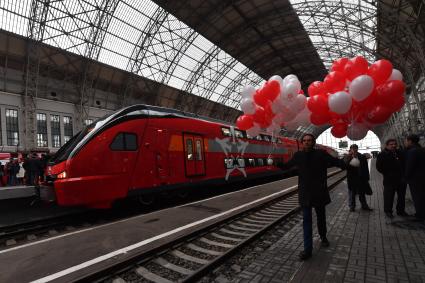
[389,192]
[418,197]
[352,199]
[308,225]
[12,180]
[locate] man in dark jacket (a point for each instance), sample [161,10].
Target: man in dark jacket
[390,164]
[313,191]
[414,174]
[357,177]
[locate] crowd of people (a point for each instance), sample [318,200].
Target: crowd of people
[399,169]
[27,170]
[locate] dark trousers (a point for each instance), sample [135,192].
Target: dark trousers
[352,199]
[389,192]
[308,225]
[418,197]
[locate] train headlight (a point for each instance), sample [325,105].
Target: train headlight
[62,175]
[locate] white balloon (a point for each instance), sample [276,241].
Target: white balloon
[289,77]
[298,103]
[277,106]
[291,125]
[273,129]
[288,114]
[339,102]
[248,91]
[356,131]
[254,130]
[361,87]
[303,118]
[278,79]
[278,119]
[248,106]
[396,75]
[290,89]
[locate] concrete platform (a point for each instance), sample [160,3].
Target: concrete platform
[365,247]
[67,257]
[16,192]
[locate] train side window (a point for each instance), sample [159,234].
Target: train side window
[228,163]
[260,162]
[124,142]
[266,138]
[130,141]
[238,134]
[241,162]
[258,138]
[251,162]
[198,150]
[189,149]
[226,132]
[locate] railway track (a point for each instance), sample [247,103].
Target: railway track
[190,258]
[50,226]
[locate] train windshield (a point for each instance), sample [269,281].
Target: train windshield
[63,153]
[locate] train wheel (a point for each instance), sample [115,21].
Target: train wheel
[146,199]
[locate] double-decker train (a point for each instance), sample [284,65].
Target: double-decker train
[142,150]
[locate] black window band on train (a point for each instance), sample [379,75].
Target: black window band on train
[124,141]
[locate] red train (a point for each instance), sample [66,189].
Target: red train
[141,150]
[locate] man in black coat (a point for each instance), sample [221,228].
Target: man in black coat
[357,177]
[414,174]
[390,164]
[313,191]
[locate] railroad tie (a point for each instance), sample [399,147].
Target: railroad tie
[189,257]
[165,263]
[151,276]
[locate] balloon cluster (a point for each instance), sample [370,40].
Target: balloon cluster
[354,97]
[279,102]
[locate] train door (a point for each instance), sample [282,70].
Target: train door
[161,153]
[194,155]
[199,155]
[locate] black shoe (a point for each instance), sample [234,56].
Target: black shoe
[304,255]
[367,208]
[389,214]
[352,209]
[325,242]
[403,214]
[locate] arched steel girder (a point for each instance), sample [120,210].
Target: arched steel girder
[177,49]
[197,72]
[351,18]
[93,47]
[36,28]
[236,83]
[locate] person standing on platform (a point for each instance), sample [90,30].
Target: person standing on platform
[415,173]
[390,164]
[357,178]
[313,191]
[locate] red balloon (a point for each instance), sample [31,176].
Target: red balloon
[339,130]
[390,94]
[380,71]
[357,66]
[316,88]
[260,98]
[379,114]
[245,122]
[320,119]
[318,104]
[259,115]
[334,81]
[271,90]
[338,65]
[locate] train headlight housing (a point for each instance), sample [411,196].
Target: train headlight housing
[61,175]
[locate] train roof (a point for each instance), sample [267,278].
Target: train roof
[149,110]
